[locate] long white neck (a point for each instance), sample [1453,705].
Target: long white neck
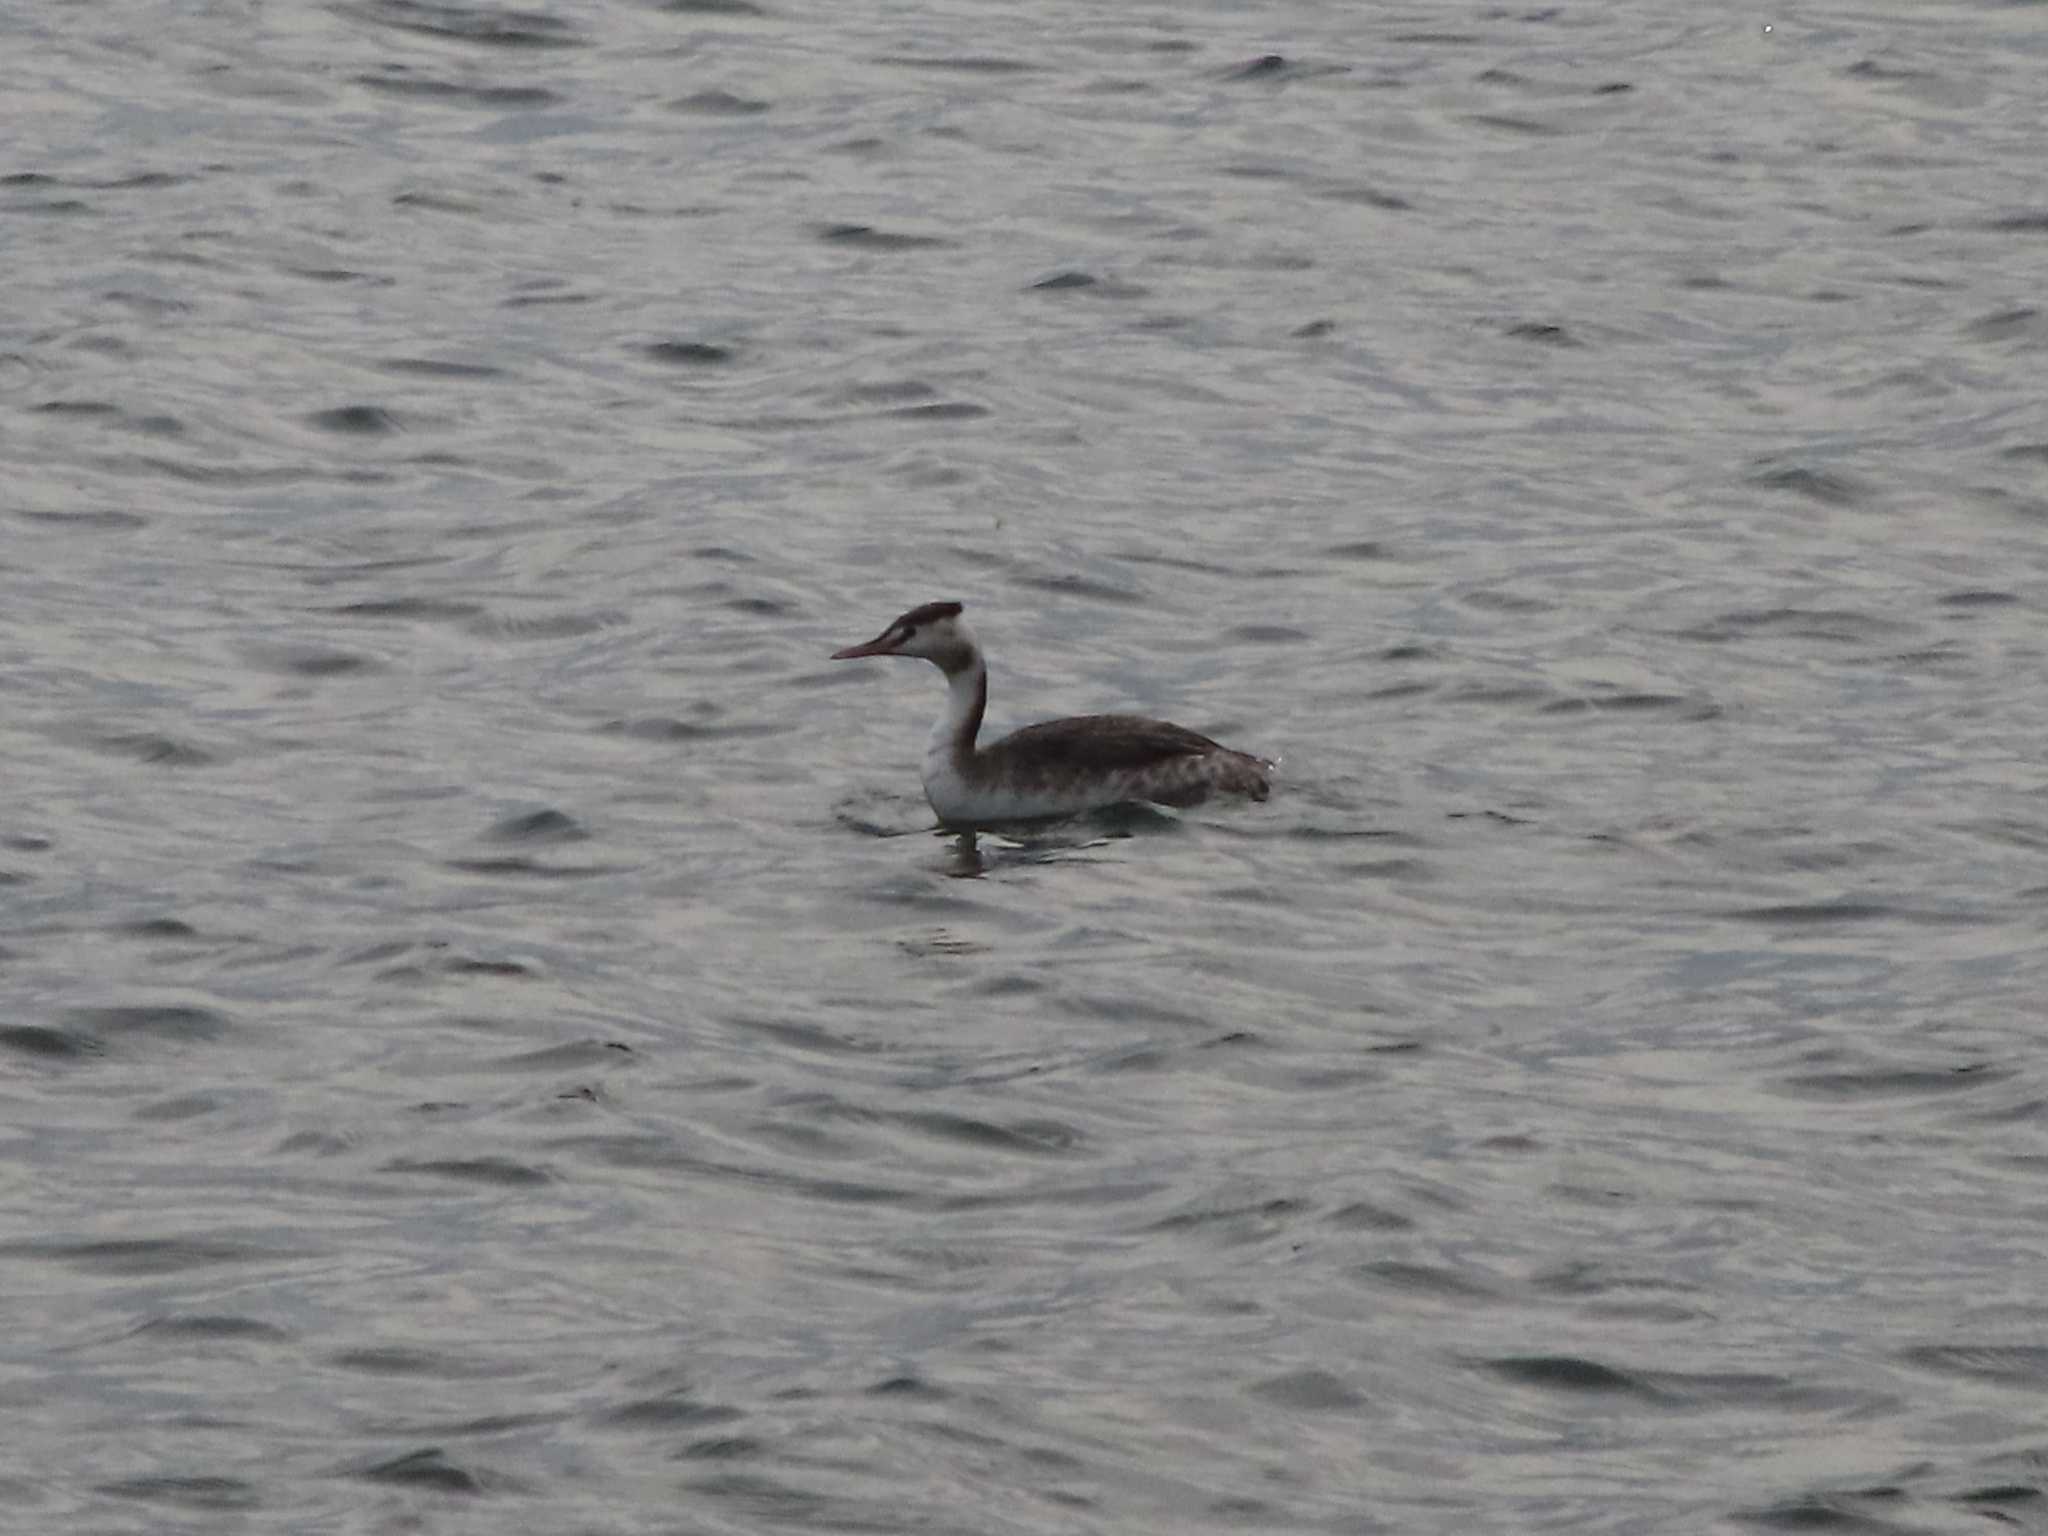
[952,738]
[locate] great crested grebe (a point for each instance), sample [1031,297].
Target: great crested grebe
[1060,768]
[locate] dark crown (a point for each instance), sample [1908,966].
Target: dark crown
[926,614]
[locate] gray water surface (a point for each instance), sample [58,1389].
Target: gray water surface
[492,1040]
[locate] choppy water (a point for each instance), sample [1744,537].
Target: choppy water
[490,1041]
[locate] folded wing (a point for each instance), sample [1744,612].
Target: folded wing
[1152,759]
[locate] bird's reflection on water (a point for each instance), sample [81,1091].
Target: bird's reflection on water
[975,852]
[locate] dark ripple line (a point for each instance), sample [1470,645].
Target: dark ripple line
[210,1327]
[1368,197]
[404,1360]
[689,354]
[1317,1391]
[866,237]
[718,104]
[49,1044]
[489,26]
[1849,910]
[1075,281]
[173,1021]
[1526,126]
[542,826]
[354,420]
[1428,1280]
[671,1411]
[92,522]
[141,179]
[312,661]
[1569,1373]
[145,1255]
[62,207]
[1544,332]
[1267,66]
[439,368]
[1818,1512]
[666,728]
[499,1172]
[235,477]
[2001,1493]
[497,97]
[149,747]
[429,1468]
[976,64]
[341,275]
[939,410]
[208,1493]
[82,408]
[2012,1364]
[1886,1083]
[425,609]
[533,868]
[1843,626]
[1035,1137]
[1828,487]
